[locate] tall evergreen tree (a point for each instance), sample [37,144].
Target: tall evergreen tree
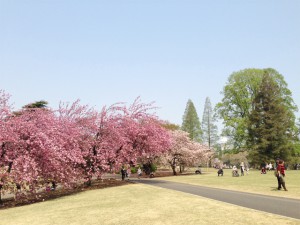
[191,122]
[271,123]
[209,129]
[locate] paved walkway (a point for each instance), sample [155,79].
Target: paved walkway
[276,205]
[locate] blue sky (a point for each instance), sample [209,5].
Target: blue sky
[167,51]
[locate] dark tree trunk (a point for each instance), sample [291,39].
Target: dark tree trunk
[181,168]
[88,181]
[1,202]
[174,169]
[53,185]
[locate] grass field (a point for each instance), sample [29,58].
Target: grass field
[136,204]
[254,182]
[141,204]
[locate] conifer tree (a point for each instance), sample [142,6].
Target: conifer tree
[191,122]
[209,129]
[270,125]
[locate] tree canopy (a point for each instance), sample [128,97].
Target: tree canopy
[237,103]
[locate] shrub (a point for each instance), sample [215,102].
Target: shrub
[153,167]
[133,170]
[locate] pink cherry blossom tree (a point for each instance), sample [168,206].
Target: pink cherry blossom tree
[44,149]
[5,107]
[6,137]
[184,151]
[145,137]
[126,133]
[82,122]
[37,146]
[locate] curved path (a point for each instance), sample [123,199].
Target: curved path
[281,206]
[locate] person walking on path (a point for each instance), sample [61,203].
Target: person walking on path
[281,174]
[139,172]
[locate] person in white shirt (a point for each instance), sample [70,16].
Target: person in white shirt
[139,172]
[270,166]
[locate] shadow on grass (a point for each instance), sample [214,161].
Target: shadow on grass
[274,189]
[149,181]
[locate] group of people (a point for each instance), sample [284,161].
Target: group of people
[279,172]
[265,167]
[235,172]
[278,167]
[126,173]
[50,186]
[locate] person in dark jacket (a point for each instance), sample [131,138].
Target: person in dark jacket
[123,173]
[281,174]
[276,174]
[220,172]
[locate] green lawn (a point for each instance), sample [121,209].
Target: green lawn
[254,182]
[136,204]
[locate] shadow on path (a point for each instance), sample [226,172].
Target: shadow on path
[276,205]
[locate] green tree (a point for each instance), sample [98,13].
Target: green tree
[209,129]
[37,104]
[235,158]
[270,124]
[32,106]
[171,126]
[237,103]
[295,159]
[191,123]
[294,162]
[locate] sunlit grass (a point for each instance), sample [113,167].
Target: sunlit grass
[136,204]
[254,182]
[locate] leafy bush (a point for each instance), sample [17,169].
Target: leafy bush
[133,170]
[149,168]
[153,167]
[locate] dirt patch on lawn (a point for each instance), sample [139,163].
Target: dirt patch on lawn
[48,195]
